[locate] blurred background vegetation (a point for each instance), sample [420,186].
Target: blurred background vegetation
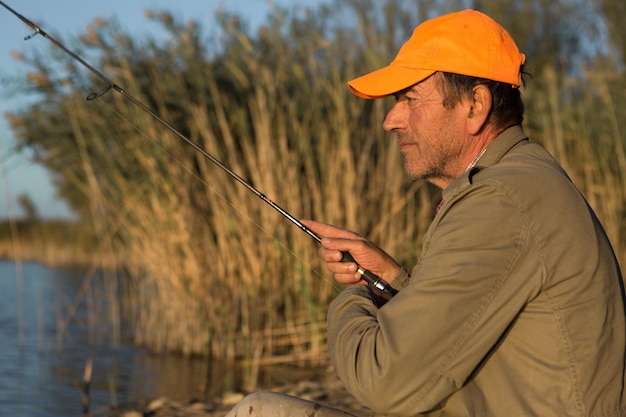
[208,268]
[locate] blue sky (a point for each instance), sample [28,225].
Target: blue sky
[68,18]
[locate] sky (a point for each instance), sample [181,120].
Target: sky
[67,18]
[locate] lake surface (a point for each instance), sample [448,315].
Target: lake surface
[47,335]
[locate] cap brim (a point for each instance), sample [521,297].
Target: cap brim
[386,81]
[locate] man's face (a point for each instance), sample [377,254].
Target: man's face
[431,137]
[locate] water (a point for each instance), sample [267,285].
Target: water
[45,344]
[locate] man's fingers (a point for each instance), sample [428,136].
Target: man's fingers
[327,230]
[343,272]
[330,255]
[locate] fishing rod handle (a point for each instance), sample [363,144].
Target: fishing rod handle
[369,277]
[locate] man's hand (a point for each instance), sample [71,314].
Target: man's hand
[365,253]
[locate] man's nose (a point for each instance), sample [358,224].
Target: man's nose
[395,119]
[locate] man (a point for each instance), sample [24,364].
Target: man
[516,306]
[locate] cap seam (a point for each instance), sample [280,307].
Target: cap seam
[489,46]
[435,43]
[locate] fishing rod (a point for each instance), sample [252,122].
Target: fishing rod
[369,277]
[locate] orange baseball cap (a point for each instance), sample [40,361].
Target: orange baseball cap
[466,42]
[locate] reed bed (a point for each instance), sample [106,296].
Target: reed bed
[212,270]
[53,243]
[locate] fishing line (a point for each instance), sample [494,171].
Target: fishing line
[366,275]
[215,192]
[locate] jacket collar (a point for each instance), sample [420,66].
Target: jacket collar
[496,150]
[501,145]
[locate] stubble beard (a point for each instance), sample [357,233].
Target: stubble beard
[431,170]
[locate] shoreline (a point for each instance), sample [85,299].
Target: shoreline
[327,390]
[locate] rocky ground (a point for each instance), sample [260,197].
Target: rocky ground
[326,390]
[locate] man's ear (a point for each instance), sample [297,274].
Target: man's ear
[480,107]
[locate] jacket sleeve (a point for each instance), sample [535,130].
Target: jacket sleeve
[477,270]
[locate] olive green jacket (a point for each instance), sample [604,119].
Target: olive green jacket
[515,308]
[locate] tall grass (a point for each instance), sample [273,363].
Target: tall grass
[54,242]
[215,271]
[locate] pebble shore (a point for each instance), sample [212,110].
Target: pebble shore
[327,390]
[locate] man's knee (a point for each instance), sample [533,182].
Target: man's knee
[274,404]
[253,404]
